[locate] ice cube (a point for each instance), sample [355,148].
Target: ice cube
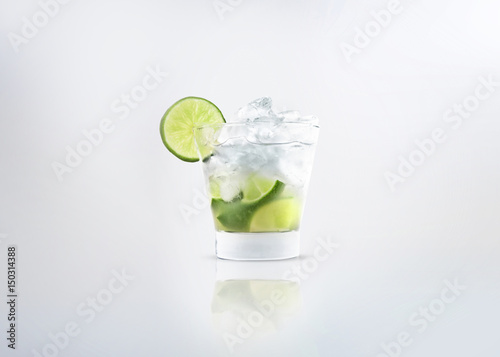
[289,115]
[254,158]
[228,186]
[291,170]
[262,130]
[259,108]
[229,191]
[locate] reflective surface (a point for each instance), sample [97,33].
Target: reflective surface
[115,255]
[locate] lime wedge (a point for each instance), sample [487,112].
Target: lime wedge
[277,216]
[214,188]
[237,214]
[256,187]
[176,126]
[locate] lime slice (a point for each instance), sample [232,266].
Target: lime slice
[214,188]
[277,216]
[256,187]
[235,216]
[176,126]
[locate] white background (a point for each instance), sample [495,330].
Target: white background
[120,207]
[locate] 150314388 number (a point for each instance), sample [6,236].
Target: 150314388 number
[11,269]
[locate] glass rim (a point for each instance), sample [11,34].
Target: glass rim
[243,124]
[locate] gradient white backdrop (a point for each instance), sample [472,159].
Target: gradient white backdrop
[119,208]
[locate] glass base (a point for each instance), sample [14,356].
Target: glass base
[257,246]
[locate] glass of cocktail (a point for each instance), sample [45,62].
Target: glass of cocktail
[256,174]
[257,171]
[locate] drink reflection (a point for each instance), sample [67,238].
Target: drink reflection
[251,300]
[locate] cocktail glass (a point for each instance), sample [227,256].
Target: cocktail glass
[256,175]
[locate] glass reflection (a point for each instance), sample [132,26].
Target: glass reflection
[252,300]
